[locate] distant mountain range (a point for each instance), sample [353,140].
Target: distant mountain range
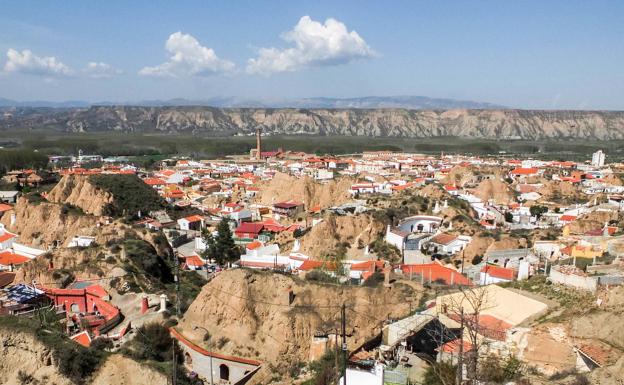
[346,121]
[407,102]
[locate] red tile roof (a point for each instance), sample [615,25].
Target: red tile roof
[154,181]
[249,228]
[435,271]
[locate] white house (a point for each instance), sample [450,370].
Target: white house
[6,238]
[193,222]
[448,244]
[420,224]
[81,241]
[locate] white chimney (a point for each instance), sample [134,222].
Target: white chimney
[163,303]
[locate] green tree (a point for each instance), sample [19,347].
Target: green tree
[537,211]
[225,250]
[211,245]
[508,217]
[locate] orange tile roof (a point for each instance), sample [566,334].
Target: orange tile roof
[8,258]
[443,239]
[525,171]
[499,272]
[6,236]
[194,218]
[367,266]
[83,338]
[5,207]
[435,271]
[254,245]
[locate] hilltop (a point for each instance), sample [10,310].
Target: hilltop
[381,122]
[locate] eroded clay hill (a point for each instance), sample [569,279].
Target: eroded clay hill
[26,360]
[78,191]
[247,314]
[42,223]
[283,187]
[355,231]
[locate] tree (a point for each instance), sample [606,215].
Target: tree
[537,211]
[211,245]
[508,217]
[225,250]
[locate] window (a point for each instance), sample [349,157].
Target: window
[224,372]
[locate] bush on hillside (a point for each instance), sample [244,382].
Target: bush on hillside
[130,195]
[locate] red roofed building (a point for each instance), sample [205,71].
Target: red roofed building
[565,219]
[495,274]
[6,238]
[9,260]
[82,338]
[193,222]
[522,172]
[431,272]
[249,230]
[4,208]
[87,307]
[155,182]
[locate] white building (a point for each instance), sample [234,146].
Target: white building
[81,241]
[598,159]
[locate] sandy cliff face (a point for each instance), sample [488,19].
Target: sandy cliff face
[76,190]
[358,231]
[238,306]
[398,122]
[284,187]
[39,225]
[121,370]
[22,352]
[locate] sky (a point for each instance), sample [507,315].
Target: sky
[552,54]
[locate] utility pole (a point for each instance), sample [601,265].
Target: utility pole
[174,379]
[176,279]
[460,358]
[344,344]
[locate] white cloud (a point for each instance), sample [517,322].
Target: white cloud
[99,70]
[188,58]
[28,63]
[316,44]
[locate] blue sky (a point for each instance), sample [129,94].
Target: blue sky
[527,54]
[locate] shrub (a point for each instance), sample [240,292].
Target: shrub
[153,341]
